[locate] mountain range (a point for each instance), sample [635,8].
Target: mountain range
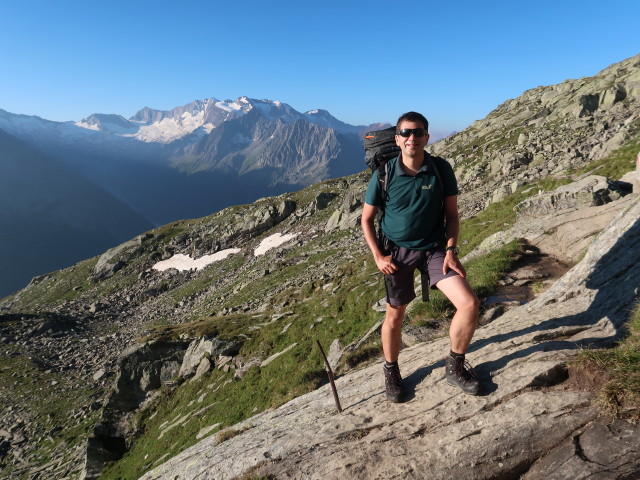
[155,167]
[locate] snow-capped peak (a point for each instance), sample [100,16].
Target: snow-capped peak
[200,117]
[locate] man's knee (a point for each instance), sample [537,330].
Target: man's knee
[459,292]
[394,316]
[469,302]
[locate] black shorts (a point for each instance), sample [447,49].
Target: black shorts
[400,284]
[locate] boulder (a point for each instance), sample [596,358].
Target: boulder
[206,348]
[348,215]
[142,369]
[323,199]
[564,234]
[115,258]
[590,191]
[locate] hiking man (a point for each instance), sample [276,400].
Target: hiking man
[414,208]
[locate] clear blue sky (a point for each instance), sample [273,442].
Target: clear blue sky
[363,61]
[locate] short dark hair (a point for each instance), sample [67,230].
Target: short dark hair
[413,117]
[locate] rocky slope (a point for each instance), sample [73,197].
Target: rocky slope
[440,433]
[545,132]
[124,357]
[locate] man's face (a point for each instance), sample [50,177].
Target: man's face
[411,145]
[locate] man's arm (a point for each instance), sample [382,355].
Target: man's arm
[384,263]
[452,229]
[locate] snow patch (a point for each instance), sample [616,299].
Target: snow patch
[273,241]
[87,126]
[184,262]
[229,106]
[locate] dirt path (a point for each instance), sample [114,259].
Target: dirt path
[532,274]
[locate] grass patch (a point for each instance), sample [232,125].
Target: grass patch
[229,433]
[619,372]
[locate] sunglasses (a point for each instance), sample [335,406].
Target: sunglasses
[407,132]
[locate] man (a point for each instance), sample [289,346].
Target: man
[413,221]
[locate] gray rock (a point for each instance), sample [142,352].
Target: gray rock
[108,263]
[565,235]
[323,199]
[591,191]
[335,353]
[142,369]
[206,347]
[348,215]
[633,178]
[203,367]
[602,450]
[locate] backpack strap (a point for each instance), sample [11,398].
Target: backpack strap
[383,177]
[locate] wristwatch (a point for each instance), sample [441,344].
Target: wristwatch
[454,249]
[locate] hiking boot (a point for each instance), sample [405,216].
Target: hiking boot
[460,374]
[393,383]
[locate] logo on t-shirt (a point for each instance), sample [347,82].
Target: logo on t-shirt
[426,187]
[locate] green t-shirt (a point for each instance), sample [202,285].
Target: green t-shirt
[413,216]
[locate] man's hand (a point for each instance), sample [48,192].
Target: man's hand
[451,262]
[385,264]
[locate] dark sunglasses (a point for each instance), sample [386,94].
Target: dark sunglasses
[407,132]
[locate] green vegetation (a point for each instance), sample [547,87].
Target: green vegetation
[617,372]
[315,313]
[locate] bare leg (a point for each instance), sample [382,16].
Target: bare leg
[392,332]
[465,320]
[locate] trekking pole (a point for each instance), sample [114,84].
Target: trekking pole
[330,375]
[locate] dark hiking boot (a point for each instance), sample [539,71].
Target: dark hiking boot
[393,383]
[460,374]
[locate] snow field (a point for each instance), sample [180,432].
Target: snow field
[185,263]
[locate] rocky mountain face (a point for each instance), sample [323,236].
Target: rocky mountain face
[189,351]
[544,132]
[282,153]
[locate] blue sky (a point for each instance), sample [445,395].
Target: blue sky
[365,62]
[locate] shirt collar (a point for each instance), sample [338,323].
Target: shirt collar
[400,171]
